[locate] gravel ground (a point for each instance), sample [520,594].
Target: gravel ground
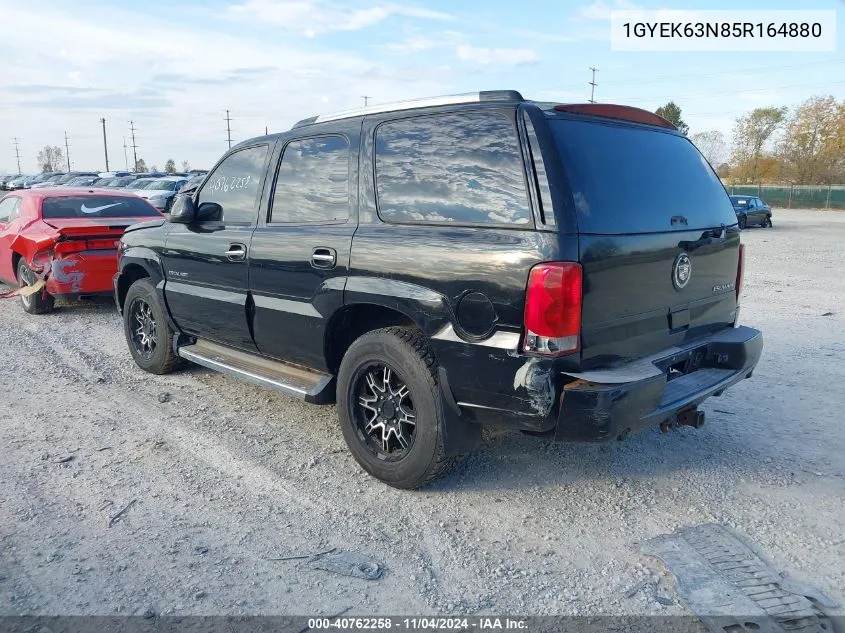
[223,476]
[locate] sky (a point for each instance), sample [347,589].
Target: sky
[174,67]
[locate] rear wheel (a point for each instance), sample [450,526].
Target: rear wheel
[39,302]
[389,407]
[147,332]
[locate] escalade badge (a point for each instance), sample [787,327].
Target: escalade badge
[681,271]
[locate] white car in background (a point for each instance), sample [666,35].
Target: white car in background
[159,192]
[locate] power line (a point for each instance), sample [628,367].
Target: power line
[105,144]
[67,151]
[731,92]
[18,154]
[593,85]
[134,146]
[696,76]
[228,129]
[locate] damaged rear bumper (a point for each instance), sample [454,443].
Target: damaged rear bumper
[498,387]
[88,273]
[610,404]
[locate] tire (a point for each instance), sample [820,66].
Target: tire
[38,303]
[420,459]
[147,331]
[168,205]
[743,221]
[767,223]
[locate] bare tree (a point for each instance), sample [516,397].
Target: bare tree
[51,158]
[186,166]
[712,144]
[140,166]
[170,166]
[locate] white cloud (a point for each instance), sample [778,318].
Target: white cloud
[600,10]
[174,79]
[506,56]
[313,17]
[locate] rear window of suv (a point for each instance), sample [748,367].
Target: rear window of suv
[632,179]
[96,207]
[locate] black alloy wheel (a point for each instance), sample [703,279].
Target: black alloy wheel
[385,418]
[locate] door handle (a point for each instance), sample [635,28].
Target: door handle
[322,257]
[236,252]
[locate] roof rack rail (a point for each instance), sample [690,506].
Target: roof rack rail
[507,96]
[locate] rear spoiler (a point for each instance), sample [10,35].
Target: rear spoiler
[621,112]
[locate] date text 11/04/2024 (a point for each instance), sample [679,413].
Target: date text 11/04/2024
[419,624]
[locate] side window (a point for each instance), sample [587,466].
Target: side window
[236,184]
[540,171]
[312,184]
[8,209]
[464,168]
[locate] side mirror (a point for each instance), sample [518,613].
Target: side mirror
[209,212]
[183,210]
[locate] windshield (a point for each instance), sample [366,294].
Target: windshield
[122,181]
[81,180]
[739,202]
[102,182]
[96,206]
[164,185]
[66,178]
[634,179]
[141,184]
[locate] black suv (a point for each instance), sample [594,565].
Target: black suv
[439,265]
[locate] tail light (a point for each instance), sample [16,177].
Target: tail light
[740,271]
[76,246]
[69,246]
[553,309]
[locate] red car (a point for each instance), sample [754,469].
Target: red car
[63,242]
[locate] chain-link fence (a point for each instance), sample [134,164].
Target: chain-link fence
[795,196]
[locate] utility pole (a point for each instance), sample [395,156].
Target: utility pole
[105,144]
[593,85]
[266,130]
[366,100]
[125,157]
[18,154]
[228,129]
[67,152]
[134,147]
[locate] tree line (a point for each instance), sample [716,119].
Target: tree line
[52,158]
[804,145]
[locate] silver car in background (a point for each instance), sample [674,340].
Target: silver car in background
[160,191]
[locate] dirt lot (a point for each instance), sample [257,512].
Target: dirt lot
[225,476]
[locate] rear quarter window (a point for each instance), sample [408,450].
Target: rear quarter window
[634,179]
[94,206]
[462,168]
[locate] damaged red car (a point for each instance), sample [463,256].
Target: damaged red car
[62,243]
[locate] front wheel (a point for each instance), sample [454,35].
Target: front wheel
[767,222]
[147,332]
[389,407]
[742,221]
